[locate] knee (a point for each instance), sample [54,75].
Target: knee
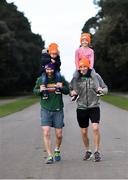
[85,132]
[59,135]
[46,133]
[95,128]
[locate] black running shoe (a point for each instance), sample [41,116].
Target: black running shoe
[97,156]
[88,155]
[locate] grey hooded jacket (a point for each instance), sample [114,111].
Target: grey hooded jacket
[87,93]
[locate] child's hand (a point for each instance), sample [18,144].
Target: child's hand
[53,61]
[42,88]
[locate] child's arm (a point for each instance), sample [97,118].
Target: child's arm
[91,58]
[45,58]
[65,87]
[58,63]
[102,84]
[77,59]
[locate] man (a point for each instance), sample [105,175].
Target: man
[52,111]
[88,108]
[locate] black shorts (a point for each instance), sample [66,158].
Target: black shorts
[83,116]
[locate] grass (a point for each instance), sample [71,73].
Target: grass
[17,105]
[119,101]
[6,97]
[20,104]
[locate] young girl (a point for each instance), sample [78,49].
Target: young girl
[51,56]
[85,51]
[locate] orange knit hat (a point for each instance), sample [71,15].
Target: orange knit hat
[53,48]
[86,36]
[84,62]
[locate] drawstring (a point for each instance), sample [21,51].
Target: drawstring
[89,83]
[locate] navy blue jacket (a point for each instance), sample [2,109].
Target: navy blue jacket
[46,59]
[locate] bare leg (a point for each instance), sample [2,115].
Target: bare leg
[96,136]
[47,139]
[84,132]
[58,133]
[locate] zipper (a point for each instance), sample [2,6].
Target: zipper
[87,92]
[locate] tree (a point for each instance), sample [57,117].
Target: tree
[20,51]
[110,42]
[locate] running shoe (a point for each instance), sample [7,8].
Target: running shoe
[49,160]
[88,155]
[97,156]
[57,156]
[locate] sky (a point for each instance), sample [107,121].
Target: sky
[59,21]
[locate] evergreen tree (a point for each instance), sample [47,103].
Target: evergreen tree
[20,51]
[110,42]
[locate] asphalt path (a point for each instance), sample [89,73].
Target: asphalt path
[22,153]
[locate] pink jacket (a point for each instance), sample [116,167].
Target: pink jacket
[84,52]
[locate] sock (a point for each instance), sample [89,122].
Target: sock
[57,149]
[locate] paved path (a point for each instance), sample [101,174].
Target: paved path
[22,153]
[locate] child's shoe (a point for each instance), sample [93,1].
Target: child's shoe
[58,90]
[75,97]
[100,93]
[44,94]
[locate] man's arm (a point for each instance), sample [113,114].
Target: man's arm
[102,84]
[36,89]
[65,88]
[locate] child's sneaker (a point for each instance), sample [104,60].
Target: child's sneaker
[49,160]
[57,156]
[58,90]
[100,93]
[74,98]
[44,94]
[97,156]
[88,155]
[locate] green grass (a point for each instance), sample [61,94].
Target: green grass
[6,97]
[115,100]
[20,104]
[17,105]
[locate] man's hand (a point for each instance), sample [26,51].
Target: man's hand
[73,93]
[100,89]
[59,85]
[42,88]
